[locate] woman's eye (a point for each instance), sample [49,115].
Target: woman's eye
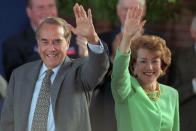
[155,61]
[143,61]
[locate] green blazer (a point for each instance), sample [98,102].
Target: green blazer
[133,108]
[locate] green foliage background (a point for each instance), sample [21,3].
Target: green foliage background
[157,10]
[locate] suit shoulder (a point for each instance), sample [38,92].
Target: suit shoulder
[19,38]
[184,54]
[184,51]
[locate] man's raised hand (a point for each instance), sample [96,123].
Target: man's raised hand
[84,25]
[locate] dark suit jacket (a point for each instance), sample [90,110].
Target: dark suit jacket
[18,50]
[109,37]
[102,106]
[70,95]
[22,48]
[182,71]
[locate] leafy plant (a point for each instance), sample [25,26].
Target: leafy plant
[157,10]
[162,10]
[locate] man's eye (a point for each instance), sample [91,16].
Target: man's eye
[51,6]
[58,41]
[44,42]
[40,7]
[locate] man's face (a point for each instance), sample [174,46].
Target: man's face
[40,9]
[123,7]
[52,45]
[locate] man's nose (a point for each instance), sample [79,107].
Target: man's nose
[51,46]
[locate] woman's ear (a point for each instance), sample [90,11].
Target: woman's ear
[134,70]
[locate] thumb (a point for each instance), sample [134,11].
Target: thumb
[142,24]
[70,27]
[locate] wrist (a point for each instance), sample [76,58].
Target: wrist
[125,44]
[124,49]
[127,38]
[94,39]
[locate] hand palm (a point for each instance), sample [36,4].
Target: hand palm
[133,24]
[84,26]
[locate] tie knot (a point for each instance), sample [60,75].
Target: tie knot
[49,73]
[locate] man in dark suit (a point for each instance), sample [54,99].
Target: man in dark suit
[22,48]
[71,82]
[121,8]
[183,78]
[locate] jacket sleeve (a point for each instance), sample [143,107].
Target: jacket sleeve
[176,125]
[94,69]
[7,114]
[121,79]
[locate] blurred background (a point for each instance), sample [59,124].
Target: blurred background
[171,18]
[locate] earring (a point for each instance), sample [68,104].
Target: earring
[161,72]
[134,73]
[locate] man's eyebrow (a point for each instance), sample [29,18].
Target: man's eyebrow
[43,39]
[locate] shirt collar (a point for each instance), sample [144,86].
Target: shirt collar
[44,69]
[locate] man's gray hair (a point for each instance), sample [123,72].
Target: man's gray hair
[141,2]
[193,25]
[54,21]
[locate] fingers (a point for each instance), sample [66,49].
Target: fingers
[90,16]
[82,12]
[76,10]
[79,11]
[135,13]
[140,13]
[142,23]
[128,16]
[133,22]
[70,27]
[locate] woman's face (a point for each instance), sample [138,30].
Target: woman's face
[147,66]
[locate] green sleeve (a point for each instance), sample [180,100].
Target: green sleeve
[121,83]
[176,125]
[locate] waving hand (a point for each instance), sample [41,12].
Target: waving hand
[84,25]
[132,28]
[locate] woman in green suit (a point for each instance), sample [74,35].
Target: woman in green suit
[141,103]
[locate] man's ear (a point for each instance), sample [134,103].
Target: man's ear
[68,41]
[118,10]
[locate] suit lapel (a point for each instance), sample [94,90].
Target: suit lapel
[28,88]
[58,80]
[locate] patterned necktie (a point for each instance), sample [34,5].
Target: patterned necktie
[40,118]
